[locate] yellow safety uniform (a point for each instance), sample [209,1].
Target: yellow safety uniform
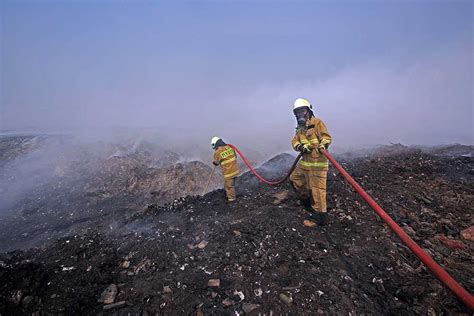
[309,177]
[225,156]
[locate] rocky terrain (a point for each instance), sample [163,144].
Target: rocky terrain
[198,255]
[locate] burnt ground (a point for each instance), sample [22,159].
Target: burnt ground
[54,186]
[265,260]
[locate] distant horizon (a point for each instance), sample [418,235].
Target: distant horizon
[136,135]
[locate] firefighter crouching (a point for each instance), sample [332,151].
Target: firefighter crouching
[309,177]
[225,156]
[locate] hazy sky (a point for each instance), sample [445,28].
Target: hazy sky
[376,71]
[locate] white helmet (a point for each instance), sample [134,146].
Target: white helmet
[300,102]
[214,141]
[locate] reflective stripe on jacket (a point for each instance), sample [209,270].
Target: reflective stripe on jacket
[314,133]
[227,159]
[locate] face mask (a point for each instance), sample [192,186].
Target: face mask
[301,116]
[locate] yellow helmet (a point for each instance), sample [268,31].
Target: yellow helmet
[300,102]
[214,140]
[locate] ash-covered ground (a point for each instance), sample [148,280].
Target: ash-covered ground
[55,186]
[201,256]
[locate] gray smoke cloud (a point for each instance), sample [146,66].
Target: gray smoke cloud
[427,100]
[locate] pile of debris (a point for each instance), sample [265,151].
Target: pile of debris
[55,186]
[200,255]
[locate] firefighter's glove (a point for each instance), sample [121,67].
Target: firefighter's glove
[306,149]
[321,147]
[303,148]
[215,163]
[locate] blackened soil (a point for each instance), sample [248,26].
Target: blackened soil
[266,260]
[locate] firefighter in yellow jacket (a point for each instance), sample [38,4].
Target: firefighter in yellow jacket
[225,156]
[309,177]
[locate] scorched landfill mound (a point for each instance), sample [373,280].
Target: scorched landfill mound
[119,238]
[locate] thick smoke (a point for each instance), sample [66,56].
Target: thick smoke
[427,101]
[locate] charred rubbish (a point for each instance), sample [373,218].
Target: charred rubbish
[199,255]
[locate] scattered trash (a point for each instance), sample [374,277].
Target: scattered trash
[286,299]
[167,289]
[454,244]
[108,295]
[142,265]
[468,233]
[280,197]
[258,292]
[228,302]
[114,305]
[214,283]
[240,294]
[309,223]
[16,297]
[68,268]
[248,308]
[202,244]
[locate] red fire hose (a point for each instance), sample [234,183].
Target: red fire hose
[259,176]
[437,270]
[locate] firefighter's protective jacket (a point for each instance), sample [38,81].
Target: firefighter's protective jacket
[227,159]
[313,134]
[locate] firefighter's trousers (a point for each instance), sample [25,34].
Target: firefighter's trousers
[311,184]
[229,186]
